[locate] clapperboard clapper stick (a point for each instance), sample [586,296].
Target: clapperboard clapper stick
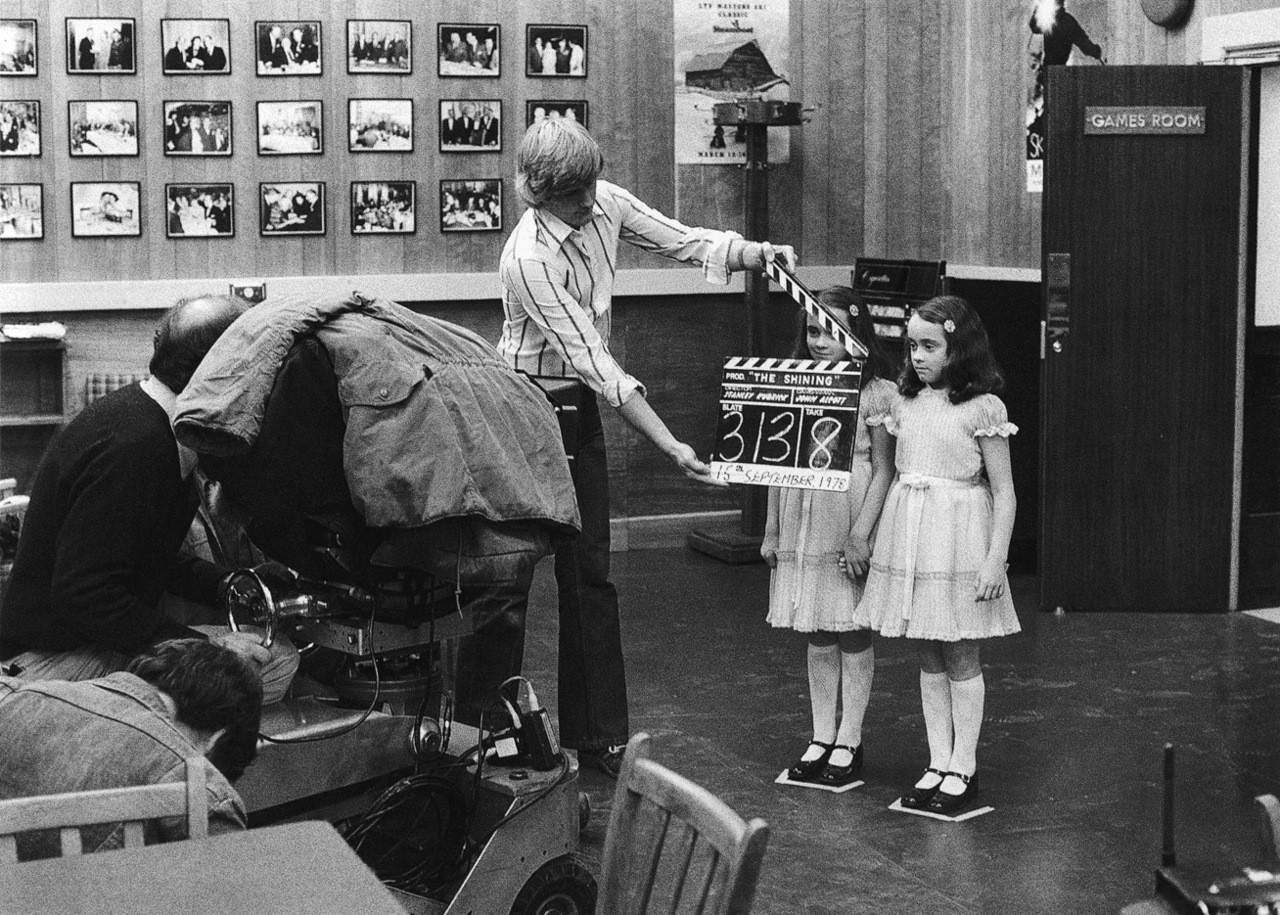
[792,286]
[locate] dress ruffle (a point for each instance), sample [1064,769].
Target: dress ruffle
[1004,430]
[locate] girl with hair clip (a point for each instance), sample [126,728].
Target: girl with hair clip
[938,570]
[819,545]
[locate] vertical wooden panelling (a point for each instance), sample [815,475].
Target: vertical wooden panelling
[914,149]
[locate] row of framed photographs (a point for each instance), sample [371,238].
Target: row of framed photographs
[109,127]
[293,47]
[285,208]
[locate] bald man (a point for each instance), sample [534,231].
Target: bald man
[110,507]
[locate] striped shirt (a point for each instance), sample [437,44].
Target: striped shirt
[557,285]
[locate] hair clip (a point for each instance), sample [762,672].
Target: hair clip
[949,326]
[853,311]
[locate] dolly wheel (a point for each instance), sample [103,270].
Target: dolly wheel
[559,887]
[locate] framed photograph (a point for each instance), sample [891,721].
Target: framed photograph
[106,128]
[471,205]
[195,47]
[555,50]
[19,53]
[199,210]
[469,49]
[194,128]
[380,125]
[291,207]
[379,46]
[21,211]
[290,128]
[470,125]
[97,46]
[288,47]
[105,208]
[556,108]
[20,128]
[383,208]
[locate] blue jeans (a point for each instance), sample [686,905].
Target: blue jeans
[592,680]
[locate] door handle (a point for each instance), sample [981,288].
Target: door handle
[1057,300]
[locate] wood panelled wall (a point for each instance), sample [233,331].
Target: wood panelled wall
[914,150]
[914,147]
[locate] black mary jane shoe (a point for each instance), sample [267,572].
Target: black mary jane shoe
[809,770]
[919,798]
[950,804]
[842,775]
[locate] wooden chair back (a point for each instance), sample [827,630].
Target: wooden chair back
[673,847]
[133,807]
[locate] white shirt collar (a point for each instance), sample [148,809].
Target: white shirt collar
[158,391]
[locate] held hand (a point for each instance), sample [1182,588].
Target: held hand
[856,559]
[769,555]
[246,643]
[686,459]
[991,579]
[759,253]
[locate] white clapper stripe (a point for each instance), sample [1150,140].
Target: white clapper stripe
[806,300]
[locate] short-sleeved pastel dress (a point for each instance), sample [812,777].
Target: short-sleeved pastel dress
[808,528]
[936,525]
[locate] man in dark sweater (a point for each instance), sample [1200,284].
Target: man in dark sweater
[110,506]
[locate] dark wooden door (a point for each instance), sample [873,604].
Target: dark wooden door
[1143,289]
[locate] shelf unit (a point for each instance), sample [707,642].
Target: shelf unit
[33,398]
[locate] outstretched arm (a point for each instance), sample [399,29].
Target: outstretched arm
[637,412]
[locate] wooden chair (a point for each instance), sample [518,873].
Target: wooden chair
[673,847]
[133,807]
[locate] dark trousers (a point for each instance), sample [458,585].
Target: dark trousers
[593,680]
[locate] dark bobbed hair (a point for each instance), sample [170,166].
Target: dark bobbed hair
[187,332]
[844,301]
[212,688]
[971,367]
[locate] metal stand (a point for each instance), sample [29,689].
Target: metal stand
[757,116]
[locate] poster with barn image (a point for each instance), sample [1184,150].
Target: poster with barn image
[723,52]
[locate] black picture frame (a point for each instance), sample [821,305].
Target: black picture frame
[17,204]
[199,216]
[276,57]
[108,57]
[563,66]
[89,125]
[461,58]
[181,136]
[579,109]
[19,47]
[281,222]
[290,142]
[457,135]
[93,216]
[189,61]
[378,56]
[380,125]
[20,129]
[476,205]
[384,207]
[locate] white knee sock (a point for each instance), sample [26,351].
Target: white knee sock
[856,670]
[967,697]
[935,699]
[824,688]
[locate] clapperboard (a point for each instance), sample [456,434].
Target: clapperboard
[790,422]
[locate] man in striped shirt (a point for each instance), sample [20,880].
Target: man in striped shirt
[558,271]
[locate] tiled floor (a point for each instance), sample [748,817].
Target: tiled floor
[1078,709]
